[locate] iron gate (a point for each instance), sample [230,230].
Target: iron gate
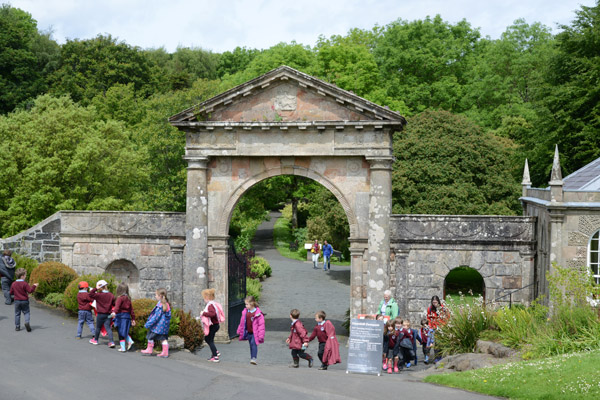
[237,288]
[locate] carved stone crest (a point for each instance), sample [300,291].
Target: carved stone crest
[285,99]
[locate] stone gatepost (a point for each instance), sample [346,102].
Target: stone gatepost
[218,278]
[196,234]
[380,210]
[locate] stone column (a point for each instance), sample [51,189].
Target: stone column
[177,268]
[219,280]
[380,209]
[358,292]
[196,234]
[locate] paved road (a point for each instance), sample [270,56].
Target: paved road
[49,363]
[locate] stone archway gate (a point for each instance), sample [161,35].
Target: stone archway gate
[288,123]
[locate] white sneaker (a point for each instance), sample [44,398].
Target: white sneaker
[253,361]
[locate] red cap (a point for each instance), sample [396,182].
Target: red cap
[83,284]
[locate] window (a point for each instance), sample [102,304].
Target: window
[593,259]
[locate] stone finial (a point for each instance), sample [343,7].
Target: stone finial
[556,182]
[526,178]
[556,176]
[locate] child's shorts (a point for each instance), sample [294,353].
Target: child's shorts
[156,337]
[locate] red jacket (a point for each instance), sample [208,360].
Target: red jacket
[331,355]
[123,304]
[211,312]
[319,333]
[104,301]
[20,289]
[297,335]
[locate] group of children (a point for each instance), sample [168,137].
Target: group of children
[400,343]
[118,311]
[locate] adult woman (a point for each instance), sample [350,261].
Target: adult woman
[388,305]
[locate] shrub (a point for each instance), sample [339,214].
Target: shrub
[25,262]
[190,330]
[260,268]
[142,309]
[463,327]
[253,288]
[70,293]
[517,325]
[54,299]
[53,277]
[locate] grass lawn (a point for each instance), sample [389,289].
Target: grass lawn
[458,299]
[282,237]
[569,376]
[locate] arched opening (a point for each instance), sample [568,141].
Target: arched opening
[464,281]
[276,217]
[126,271]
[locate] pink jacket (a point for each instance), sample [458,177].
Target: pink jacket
[206,321]
[258,326]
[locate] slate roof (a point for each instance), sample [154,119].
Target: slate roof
[586,178]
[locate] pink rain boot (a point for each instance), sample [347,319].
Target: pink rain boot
[149,349]
[165,350]
[396,366]
[389,369]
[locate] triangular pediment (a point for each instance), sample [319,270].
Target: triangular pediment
[285,95]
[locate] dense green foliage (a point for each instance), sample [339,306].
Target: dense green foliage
[25,262]
[52,277]
[84,125]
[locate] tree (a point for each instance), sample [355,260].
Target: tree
[570,116]
[90,67]
[445,164]
[424,62]
[26,57]
[232,62]
[61,156]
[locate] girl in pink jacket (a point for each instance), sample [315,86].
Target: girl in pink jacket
[252,327]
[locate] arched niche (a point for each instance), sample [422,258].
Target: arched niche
[465,280]
[126,271]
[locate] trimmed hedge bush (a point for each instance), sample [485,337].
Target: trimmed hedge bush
[53,277]
[260,268]
[70,293]
[253,288]
[54,299]
[190,330]
[25,262]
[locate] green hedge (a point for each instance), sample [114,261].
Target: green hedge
[253,288]
[25,262]
[53,277]
[260,268]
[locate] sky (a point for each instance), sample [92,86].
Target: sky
[222,25]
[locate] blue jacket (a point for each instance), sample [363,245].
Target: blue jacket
[158,321]
[327,250]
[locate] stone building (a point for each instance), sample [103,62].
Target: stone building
[270,126]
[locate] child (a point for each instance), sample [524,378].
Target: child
[298,341]
[390,347]
[124,317]
[406,350]
[329,348]
[84,315]
[426,339]
[104,304]
[212,316]
[158,324]
[20,290]
[252,327]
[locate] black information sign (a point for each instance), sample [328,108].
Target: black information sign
[365,346]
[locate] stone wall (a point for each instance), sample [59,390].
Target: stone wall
[425,248]
[41,242]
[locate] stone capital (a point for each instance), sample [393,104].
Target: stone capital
[380,162]
[196,162]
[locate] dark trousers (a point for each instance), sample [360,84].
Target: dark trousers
[321,351]
[299,353]
[6,282]
[406,354]
[210,338]
[85,317]
[253,346]
[21,306]
[104,319]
